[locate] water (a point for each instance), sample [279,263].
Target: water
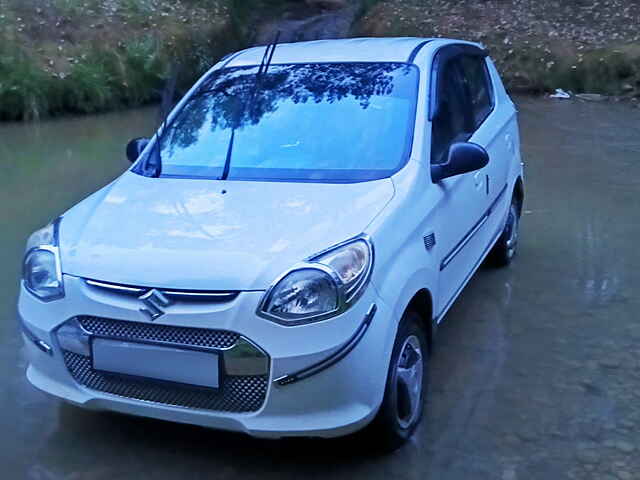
[536,369]
[47,167]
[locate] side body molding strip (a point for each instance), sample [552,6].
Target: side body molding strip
[467,236]
[334,358]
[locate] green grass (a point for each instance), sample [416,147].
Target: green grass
[612,71]
[609,71]
[90,85]
[26,92]
[137,7]
[53,61]
[104,79]
[71,8]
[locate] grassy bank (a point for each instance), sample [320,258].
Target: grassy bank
[578,45]
[80,56]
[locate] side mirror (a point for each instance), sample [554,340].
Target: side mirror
[463,157]
[135,148]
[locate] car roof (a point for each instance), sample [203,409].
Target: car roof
[344,50]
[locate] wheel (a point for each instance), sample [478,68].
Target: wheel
[403,403]
[506,247]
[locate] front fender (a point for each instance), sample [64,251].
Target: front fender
[404,265]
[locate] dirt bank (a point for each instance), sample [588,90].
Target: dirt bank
[302,21]
[579,45]
[80,56]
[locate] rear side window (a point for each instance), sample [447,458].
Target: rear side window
[478,85]
[451,123]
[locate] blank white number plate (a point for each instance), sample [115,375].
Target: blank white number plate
[160,363]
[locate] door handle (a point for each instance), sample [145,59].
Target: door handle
[477,179]
[510,144]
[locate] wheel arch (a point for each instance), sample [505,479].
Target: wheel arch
[422,304]
[518,194]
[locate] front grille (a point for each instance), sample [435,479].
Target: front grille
[197,337]
[209,296]
[236,394]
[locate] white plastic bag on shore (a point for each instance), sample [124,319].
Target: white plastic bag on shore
[560,94]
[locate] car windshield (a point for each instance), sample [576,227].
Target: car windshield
[322,122]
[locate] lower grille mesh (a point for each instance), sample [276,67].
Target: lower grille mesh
[237,394]
[197,337]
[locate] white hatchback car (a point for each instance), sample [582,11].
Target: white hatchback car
[279,256]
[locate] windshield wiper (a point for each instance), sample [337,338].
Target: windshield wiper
[264,67]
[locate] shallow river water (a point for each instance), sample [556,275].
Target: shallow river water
[536,371]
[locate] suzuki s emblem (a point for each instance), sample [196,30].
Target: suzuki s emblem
[154,301]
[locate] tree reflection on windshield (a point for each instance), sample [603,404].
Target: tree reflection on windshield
[314,107]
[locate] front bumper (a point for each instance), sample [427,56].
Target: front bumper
[335,400]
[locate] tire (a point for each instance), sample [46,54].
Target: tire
[401,410]
[506,247]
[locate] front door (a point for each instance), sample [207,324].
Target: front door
[460,219]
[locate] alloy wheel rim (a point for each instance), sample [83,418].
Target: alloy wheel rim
[409,376]
[512,233]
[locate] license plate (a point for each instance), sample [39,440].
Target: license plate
[159,363]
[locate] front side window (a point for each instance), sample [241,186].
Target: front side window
[451,123]
[476,79]
[334,122]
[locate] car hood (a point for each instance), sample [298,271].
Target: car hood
[208,234]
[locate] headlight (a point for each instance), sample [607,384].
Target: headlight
[41,270]
[45,236]
[350,262]
[323,286]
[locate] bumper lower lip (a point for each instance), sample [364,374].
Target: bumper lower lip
[332,359]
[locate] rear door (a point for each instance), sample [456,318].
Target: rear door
[488,131]
[462,200]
